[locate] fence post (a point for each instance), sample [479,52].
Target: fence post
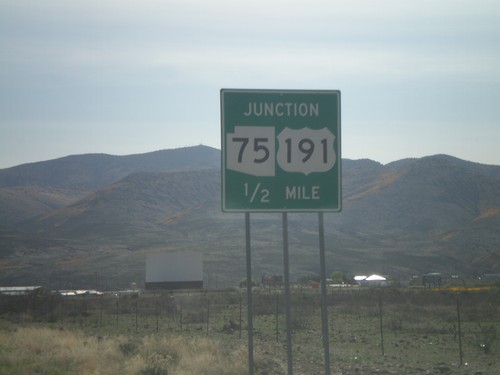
[136,315]
[208,315]
[101,301]
[241,322]
[87,313]
[62,311]
[117,310]
[157,316]
[381,323]
[459,330]
[180,320]
[277,316]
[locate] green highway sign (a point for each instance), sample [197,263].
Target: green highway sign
[280,150]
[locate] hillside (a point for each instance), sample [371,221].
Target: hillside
[33,189]
[136,204]
[21,202]
[94,171]
[428,195]
[433,214]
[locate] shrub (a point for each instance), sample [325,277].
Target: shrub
[51,351]
[486,337]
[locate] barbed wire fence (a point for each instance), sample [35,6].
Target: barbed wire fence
[378,322]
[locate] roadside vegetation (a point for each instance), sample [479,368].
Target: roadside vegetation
[43,350]
[372,331]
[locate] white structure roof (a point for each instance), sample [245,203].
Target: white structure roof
[375,278]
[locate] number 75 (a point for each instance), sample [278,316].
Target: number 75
[258,146]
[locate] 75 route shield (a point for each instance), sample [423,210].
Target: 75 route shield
[280,150]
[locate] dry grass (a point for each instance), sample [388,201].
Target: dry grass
[151,335]
[50,351]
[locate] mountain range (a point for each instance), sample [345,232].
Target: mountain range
[90,220]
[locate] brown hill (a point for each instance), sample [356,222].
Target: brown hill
[434,214]
[32,189]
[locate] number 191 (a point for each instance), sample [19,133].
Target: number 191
[306,147]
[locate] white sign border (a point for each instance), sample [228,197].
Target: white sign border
[223,151]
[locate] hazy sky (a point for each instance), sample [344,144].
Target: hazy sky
[120,77]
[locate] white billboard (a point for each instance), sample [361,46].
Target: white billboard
[174,267]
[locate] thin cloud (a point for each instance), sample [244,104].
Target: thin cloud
[108,61]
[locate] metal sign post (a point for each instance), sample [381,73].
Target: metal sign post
[281,153]
[249,293]
[288,316]
[324,305]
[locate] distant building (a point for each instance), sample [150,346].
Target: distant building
[80,292]
[174,270]
[21,290]
[372,280]
[359,279]
[491,276]
[272,281]
[133,292]
[433,280]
